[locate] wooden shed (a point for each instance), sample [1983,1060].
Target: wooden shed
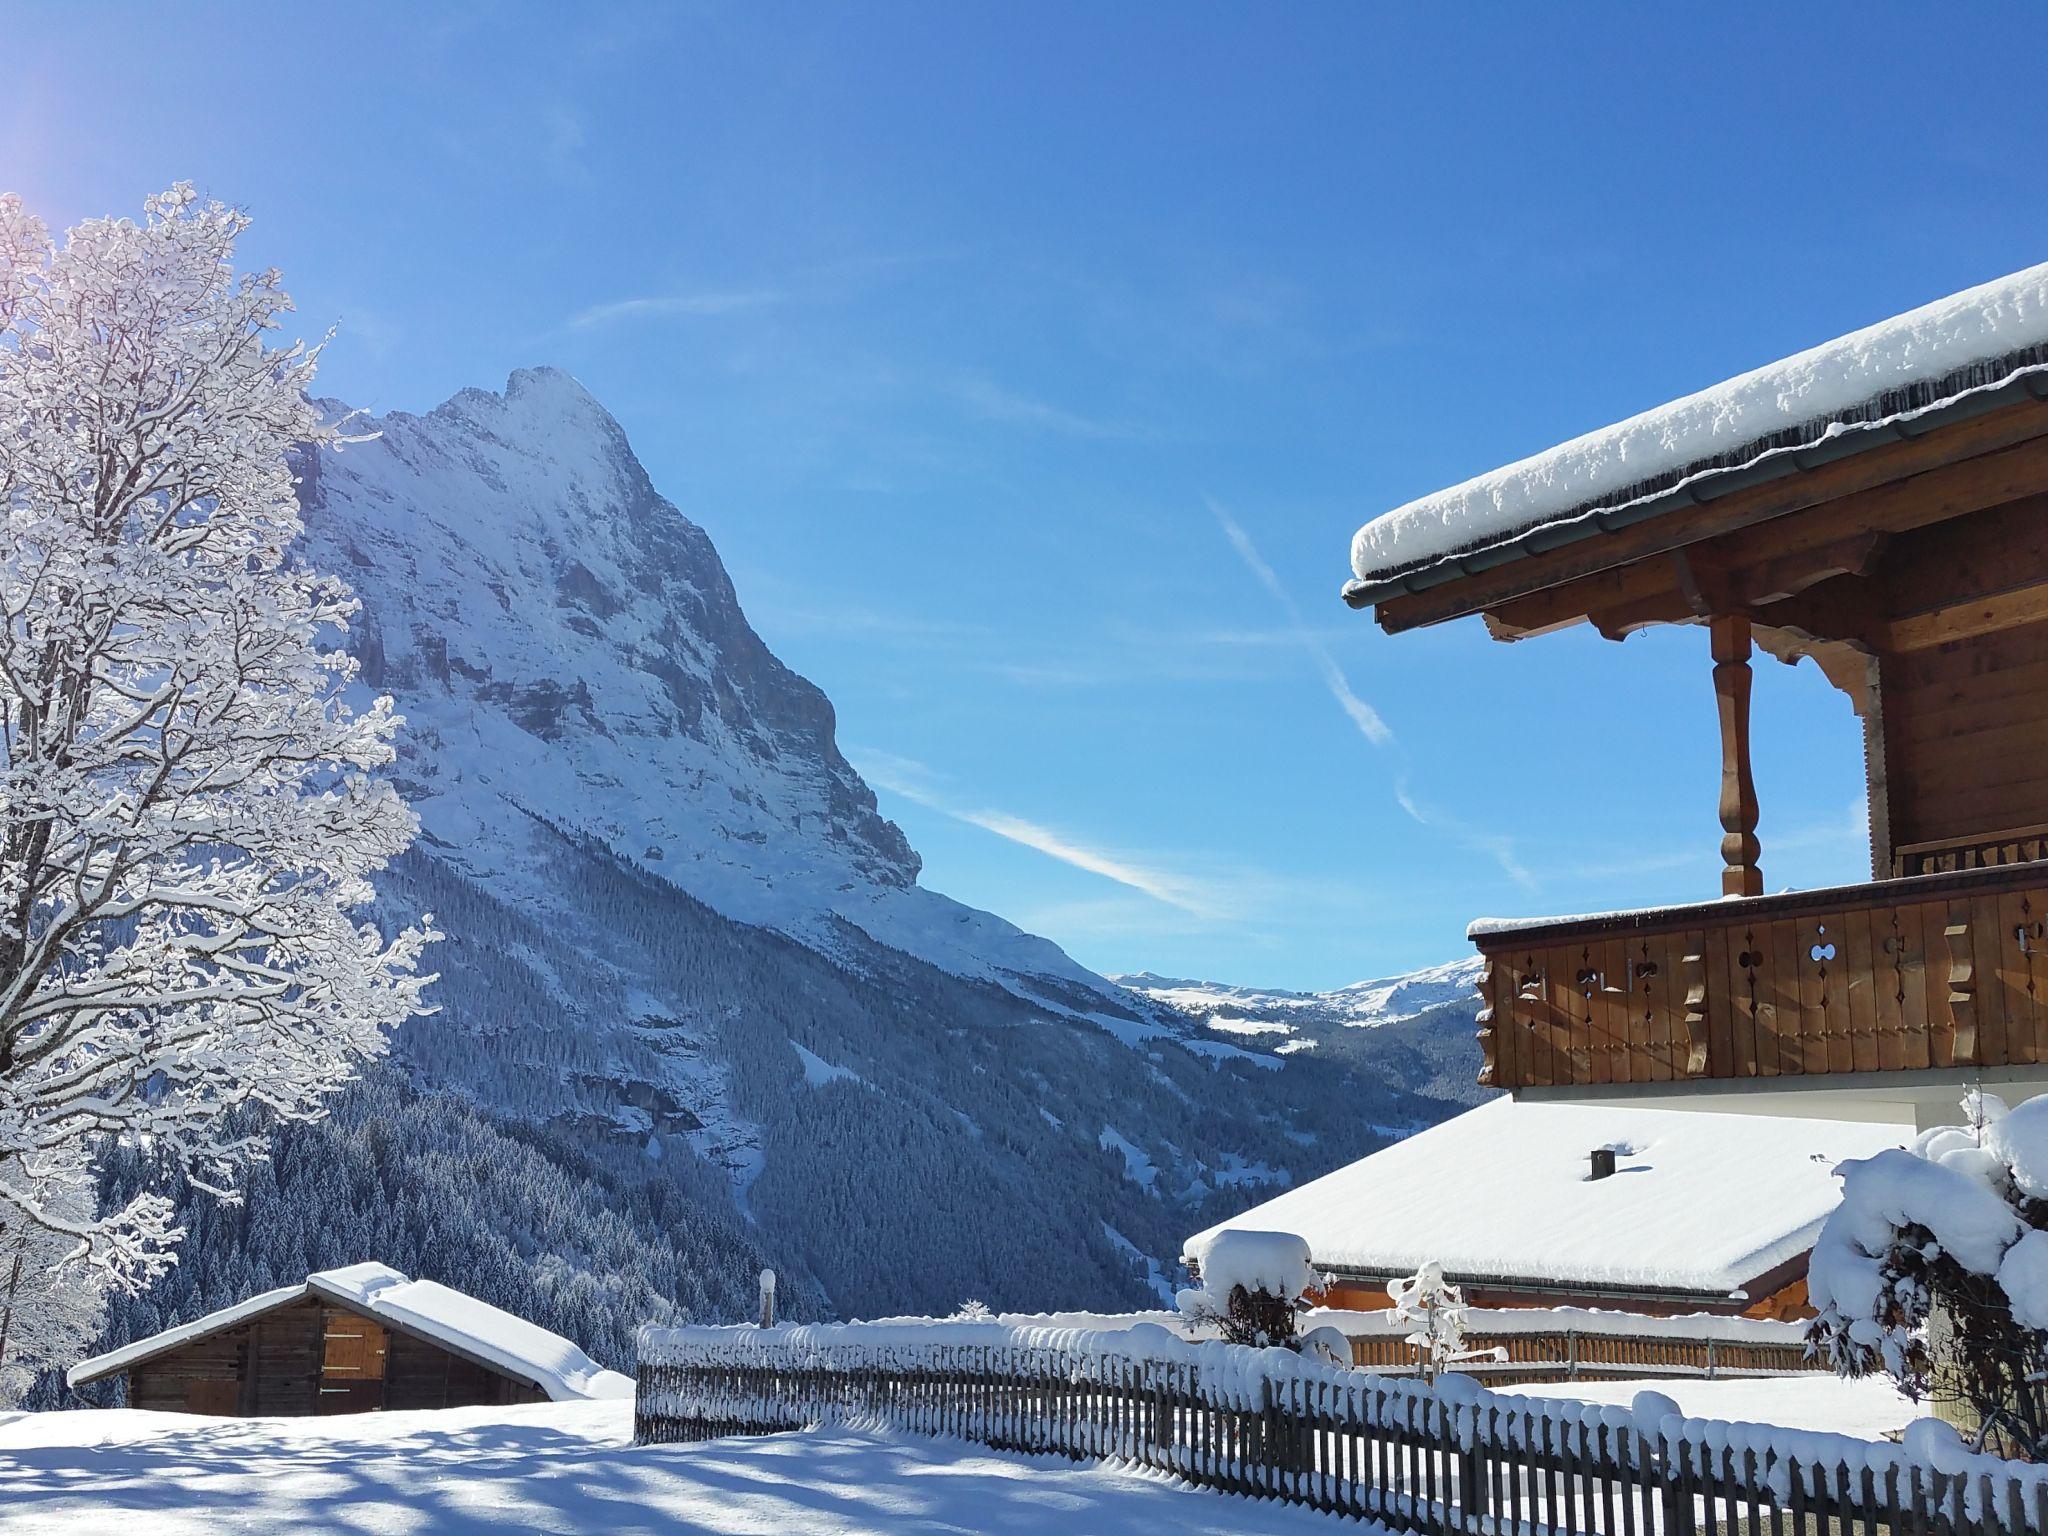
[350,1341]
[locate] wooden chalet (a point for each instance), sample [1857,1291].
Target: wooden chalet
[1876,504]
[1658,1212]
[350,1341]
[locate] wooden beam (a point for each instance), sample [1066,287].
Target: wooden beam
[2005,448]
[1740,874]
[1964,621]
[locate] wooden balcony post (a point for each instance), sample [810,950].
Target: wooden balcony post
[1740,875]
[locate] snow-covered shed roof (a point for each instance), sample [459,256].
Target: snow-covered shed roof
[460,1323]
[1991,338]
[1699,1203]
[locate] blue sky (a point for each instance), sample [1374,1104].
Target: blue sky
[1031,367]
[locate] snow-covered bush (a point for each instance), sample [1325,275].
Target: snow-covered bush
[188,813]
[1934,1270]
[1252,1286]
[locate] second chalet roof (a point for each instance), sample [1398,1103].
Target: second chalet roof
[456,1321]
[1700,1203]
[1987,341]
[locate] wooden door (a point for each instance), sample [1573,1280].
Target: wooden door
[352,1362]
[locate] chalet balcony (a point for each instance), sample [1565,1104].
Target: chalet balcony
[1940,974]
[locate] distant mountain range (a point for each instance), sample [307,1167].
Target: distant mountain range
[696,1015]
[1420,1026]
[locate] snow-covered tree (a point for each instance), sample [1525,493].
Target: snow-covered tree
[52,1302]
[1934,1271]
[1434,1310]
[1253,1286]
[188,816]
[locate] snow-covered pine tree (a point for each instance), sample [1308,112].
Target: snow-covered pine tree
[188,816]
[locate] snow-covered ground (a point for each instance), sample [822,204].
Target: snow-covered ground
[1870,1409]
[563,1467]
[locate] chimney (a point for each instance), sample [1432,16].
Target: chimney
[1603,1162]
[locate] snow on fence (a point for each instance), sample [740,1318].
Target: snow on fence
[1448,1460]
[1571,1343]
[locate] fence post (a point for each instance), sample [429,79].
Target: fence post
[1473,1487]
[1675,1488]
[1571,1354]
[1712,1359]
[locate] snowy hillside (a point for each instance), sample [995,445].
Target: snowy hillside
[1420,1025]
[696,1015]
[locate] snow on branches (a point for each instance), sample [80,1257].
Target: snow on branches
[188,812]
[1433,1310]
[1934,1269]
[52,1304]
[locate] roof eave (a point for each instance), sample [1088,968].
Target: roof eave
[1708,485]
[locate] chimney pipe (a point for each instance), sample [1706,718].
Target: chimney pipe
[1603,1162]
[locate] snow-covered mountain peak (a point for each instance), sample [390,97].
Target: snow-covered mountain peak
[566,645]
[1362,1004]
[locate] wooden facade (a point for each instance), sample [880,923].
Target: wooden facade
[1914,571]
[1780,1296]
[316,1356]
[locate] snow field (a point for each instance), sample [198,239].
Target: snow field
[566,1468]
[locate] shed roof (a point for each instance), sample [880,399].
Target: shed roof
[436,1312]
[1869,386]
[1700,1203]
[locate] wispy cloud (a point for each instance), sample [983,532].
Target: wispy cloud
[1362,715]
[914,781]
[1173,890]
[677,306]
[992,402]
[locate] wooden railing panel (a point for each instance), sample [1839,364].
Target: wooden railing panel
[2016,959]
[1859,981]
[1936,972]
[1985,923]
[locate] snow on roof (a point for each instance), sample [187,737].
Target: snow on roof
[1977,339]
[447,1317]
[1699,1202]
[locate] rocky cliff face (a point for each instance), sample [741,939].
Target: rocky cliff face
[695,1009]
[567,645]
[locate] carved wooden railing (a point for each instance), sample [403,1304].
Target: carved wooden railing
[1935,971]
[2020,845]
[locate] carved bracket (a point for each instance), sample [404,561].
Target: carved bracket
[1485,1021]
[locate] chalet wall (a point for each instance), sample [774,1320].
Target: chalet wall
[1966,736]
[1965,722]
[312,1357]
[1786,1302]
